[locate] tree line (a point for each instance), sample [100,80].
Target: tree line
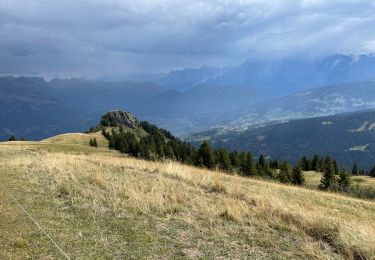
[13,139]
[160,144]
[93,142]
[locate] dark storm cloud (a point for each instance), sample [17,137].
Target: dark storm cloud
[88,38]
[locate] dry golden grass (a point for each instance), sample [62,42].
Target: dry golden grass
[313,180]
[250,218]
[77,139]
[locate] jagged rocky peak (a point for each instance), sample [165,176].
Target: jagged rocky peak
[119,118]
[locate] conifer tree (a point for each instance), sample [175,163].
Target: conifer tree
[355,170]
[234,159]
[321,165]
[91,143]
[274,164]
[223,160]
[305,164]
[168,152]
[104,133]
[12,138]
[344,180]
[284,175]
[328,179]
[263,167]
[95,143]
[160,151]
[315,163]
[144,150]
[262,161]
[205,156]
[246,164]
[336,167]
[372,171]
[298,177]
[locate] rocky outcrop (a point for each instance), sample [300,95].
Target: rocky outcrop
[119,118]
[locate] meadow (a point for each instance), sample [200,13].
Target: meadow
[99,204]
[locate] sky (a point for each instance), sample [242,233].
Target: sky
[91,38]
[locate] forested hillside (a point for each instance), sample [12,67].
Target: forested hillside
[347,137]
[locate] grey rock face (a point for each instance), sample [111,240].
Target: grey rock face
[119,118]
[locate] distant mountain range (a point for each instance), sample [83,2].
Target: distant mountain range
[28,110]
[35,108]
[279,77]
[347,137]
[193,100]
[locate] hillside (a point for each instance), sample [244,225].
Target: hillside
[347,137]
[315,102]
[96,203]
[78,139]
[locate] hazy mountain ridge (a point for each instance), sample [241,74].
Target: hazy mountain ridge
[198,108]
[28,109]
[283,76]
[230,98]
[77,102]
[36,109]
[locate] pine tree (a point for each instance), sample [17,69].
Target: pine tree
[355,170]
[246,164]
[328,179]
[263,167]
[284,175]
[344,180]
[372,172]
[224,162]
[315,163]
[274,164]
[205,156]
[234,159]
[321,165]
[336,167]
[145,150]
[95,143]
[104,133]
[168,152]
[298,177]
[12,138]
[305,163]
[160,151]
[111,142]
[262,161]
[91,142]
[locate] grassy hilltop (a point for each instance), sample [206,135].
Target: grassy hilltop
[97,204]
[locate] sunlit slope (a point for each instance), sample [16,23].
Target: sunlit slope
[101,204]
[313,180]
[78,139]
